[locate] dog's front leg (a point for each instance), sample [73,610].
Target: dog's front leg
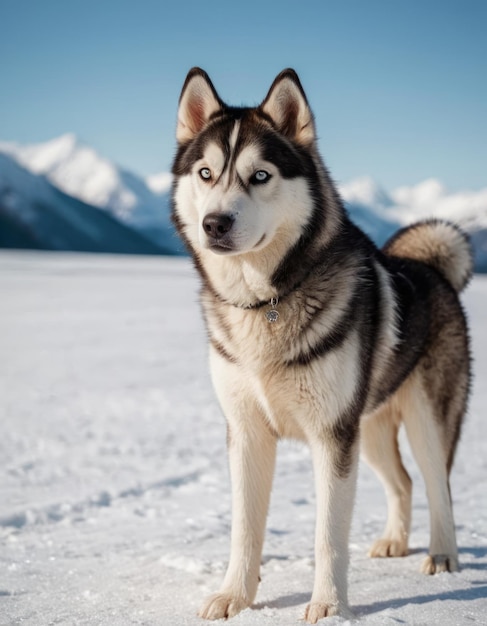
[252,453]
[335,469]
[252,457]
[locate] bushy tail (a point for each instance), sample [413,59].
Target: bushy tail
[438,243]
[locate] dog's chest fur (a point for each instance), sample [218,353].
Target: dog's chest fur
[272,357]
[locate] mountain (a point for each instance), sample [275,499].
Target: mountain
[380,213]
[160,184]
[34,214]
[142,205]
[80,172]
[367,205]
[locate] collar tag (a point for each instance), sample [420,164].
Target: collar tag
[272,315]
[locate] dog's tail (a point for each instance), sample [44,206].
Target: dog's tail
[438,243]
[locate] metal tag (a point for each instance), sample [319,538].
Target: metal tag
[272,316]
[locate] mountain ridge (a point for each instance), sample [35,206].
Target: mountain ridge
[80,172]
[143,204]
[36,214]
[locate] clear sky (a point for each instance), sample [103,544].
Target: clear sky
[398,87]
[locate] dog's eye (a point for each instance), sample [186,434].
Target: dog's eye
[205,173]
[259,177]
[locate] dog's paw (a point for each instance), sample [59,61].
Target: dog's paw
[388,547]
[318,610]
[222,606]
[437,563]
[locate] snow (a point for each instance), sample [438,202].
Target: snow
[159,183]
[114,490]
[468,208]
[17,186]
[429,198]
[365,191]
[79,171]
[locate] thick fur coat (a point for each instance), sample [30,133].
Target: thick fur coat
[317,335]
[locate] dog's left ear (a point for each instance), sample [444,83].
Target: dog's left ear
[197,103]
[287,106]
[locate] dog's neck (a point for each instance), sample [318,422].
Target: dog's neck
[244,281]
[250,281]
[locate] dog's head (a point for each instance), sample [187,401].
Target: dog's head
[243,176]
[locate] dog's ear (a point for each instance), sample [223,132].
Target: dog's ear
[197,103]
[287,106]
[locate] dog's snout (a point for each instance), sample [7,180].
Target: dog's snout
[216,225]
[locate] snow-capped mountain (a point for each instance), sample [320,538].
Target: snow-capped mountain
[37,215]
[79,171]
[427,199]
[379,213]
[159,183]
[143,204]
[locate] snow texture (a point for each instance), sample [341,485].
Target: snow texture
[114,488]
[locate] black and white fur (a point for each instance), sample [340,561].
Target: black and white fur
[364,340]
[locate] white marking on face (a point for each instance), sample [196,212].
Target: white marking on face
[226,178]
[234,137]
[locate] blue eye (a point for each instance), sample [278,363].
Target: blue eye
[205,173]
[259,177]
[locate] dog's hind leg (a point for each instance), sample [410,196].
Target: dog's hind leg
[428,439]
[380,449]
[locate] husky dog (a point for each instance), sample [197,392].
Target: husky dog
[317,335]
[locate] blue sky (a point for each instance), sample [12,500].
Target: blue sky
[398,88]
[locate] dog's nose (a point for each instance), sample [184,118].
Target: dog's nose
[216,225]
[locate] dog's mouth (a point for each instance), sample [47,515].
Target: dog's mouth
[227,246]
[221,247]
[260,242]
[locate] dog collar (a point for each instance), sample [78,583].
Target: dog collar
[272,315]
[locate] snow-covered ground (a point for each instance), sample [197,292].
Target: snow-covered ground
[114,489]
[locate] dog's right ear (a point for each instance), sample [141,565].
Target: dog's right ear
[197,103]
